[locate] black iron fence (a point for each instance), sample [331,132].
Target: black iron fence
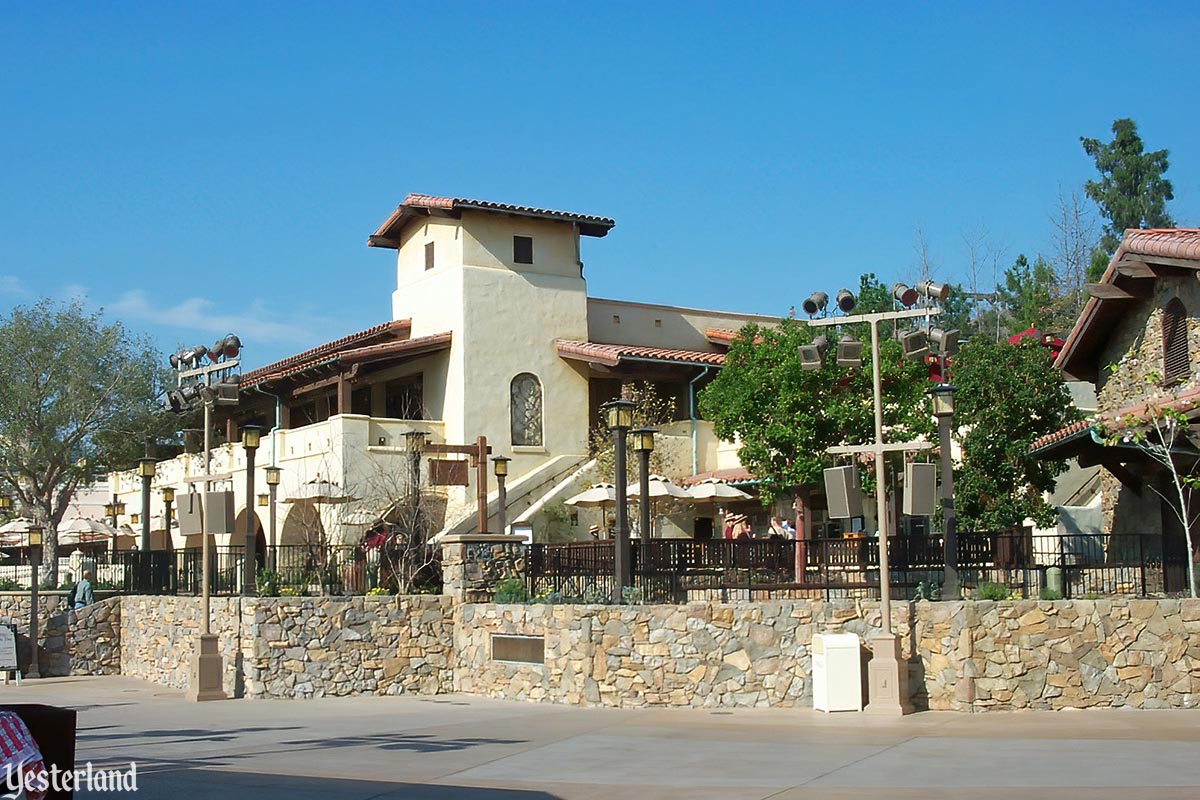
[676,570]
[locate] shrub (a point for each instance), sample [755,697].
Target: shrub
[511,590]
[268,583]
[9,585]
[378,591]
[290,591]
[632,595]
[991,591]
[1050,594]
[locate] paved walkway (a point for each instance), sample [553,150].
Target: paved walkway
[466,748]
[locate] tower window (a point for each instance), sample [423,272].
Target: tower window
[1176,363]
[429,255]
[522,249]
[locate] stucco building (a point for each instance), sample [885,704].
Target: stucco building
[492,333]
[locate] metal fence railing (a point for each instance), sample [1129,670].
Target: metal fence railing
[676,570]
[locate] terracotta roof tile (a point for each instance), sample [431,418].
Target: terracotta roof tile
[612,354]
[1188,399]
[418,205]
[733,475]
[388,330]
[1175,243]
[720,335]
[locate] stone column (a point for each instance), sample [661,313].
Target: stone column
[459,578]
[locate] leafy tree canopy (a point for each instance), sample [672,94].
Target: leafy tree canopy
[1028,294]
[78,397]
[1008,396]
[787,416]
[1132,191]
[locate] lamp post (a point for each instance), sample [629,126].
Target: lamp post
[943,408]
[35,561]
[168,496]
[643,444]
[618,414]
[501,472]
[113,510]
[272,486]
[251,438]
[5,505]
[146,470]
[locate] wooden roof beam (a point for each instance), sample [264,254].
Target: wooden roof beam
[1133,289]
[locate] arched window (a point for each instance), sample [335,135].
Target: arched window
[526,410]
[1176,363]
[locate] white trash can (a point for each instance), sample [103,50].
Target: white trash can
[837,672]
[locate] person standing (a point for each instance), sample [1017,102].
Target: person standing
[84,594]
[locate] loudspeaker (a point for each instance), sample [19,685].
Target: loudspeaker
[220,512]
[920,489]
[843,493]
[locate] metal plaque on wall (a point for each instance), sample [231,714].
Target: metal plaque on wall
[445,472]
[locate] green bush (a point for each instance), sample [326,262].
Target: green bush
[991,591]
[1050,594]
[378,591]
[268,583]
[9,585]
[511,590]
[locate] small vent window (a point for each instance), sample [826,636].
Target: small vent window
[1176,363]
[522,249]
[429,255]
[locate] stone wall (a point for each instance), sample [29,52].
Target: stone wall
[84,642]
[158,638]
[310,647]
[1060,654]
[700,654]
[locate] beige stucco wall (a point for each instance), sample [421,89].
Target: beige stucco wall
[488,242]
[649,325]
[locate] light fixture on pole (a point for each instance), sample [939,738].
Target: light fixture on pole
[942,397]
[272,475]
[5,504]
[904,294]
[168,497]
[501,471]
[915,344]
[35,561]
[251,438]
[264,500]
[887,672]
[618,415]
[815,303]
[849,352]
[934,291]
[845,300]
[146,470]
[643,445]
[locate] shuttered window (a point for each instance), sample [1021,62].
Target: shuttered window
[1176,364]
[522,249]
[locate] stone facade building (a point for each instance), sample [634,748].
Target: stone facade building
[1138,340]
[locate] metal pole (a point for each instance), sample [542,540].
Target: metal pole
[271,516]
[644,508]
[885,593]
[621,527]
[503,503]
[950,589]
[33,616]
[249,563]
[206,625]
[146,513]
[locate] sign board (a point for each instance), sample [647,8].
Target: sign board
[443,472]
[8,648]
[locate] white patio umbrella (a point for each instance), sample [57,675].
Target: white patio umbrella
[659,487]
[598,495]
[320,491]
[82,530]
[15,532]
[711,490]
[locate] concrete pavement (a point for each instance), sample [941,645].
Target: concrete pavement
[438,748]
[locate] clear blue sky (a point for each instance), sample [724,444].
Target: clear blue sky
[203,168]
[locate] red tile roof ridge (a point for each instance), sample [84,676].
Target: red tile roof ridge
[416,200]
[611,354]
[736,474]
[392,328]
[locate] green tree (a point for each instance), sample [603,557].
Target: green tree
[1132,191]
[1028,294]
[1008,395]
[77,398]
[787,416]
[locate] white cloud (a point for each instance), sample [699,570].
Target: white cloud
[12,286]
[200,315]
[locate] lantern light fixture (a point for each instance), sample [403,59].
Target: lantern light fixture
[251,436]
[501,465]
[619,414]
[168,494]
[942,397]
[643,439]
[272,475]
